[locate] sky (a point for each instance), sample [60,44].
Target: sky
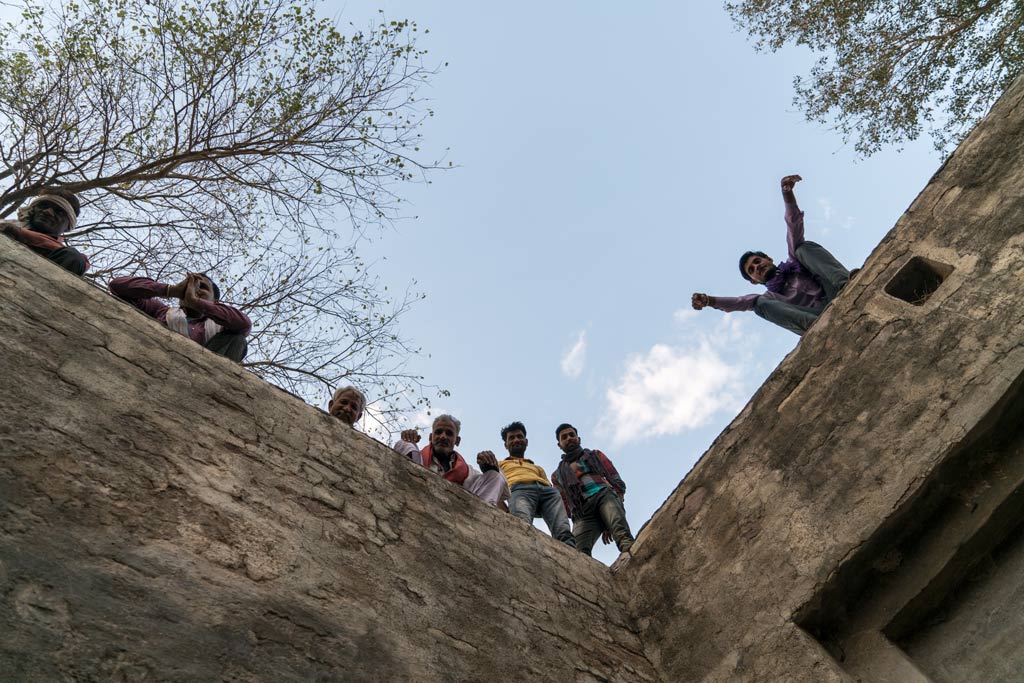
[610,159]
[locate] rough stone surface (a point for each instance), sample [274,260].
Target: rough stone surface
[165,516]
[834,457]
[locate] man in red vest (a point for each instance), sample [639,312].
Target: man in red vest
[441,457]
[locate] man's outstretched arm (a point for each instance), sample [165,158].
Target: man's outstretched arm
[228,317]
[794,216]
[729,304]
[143,293]
[407,446]
[788,183]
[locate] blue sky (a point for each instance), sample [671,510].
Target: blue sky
[611,159]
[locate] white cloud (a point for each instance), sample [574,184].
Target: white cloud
[575,358]
[423,419]
[826,208]
[683,315]
[828,213]
[671,389]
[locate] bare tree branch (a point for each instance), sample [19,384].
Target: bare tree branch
[224,136]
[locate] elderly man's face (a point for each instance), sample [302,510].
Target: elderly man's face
[48,218]
[444,437]
[347,407]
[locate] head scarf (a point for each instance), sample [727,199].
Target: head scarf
[53,199]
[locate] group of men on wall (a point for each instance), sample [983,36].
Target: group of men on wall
[585,487]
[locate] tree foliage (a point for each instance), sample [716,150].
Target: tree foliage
[227,136]
[889,70]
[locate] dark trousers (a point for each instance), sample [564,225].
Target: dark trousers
[829,272]
[230,345]
[603,511]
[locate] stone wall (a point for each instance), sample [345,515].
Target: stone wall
[751,569]
[167,516]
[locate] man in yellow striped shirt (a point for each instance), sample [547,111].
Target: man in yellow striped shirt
[532,494]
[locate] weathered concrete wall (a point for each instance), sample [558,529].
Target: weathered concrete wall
[166,516]
[979,637]
[839,446]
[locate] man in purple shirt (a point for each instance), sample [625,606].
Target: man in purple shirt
[199,316]
[799,288]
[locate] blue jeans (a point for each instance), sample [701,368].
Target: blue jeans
[603,511]
[536,500]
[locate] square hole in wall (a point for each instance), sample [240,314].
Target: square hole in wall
[917,280]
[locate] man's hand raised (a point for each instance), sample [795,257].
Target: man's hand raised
[177,291]
[699,301]
[789,181]
[411,435]
[191,296]
[487,461]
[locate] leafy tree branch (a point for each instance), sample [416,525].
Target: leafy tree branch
[889,70]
